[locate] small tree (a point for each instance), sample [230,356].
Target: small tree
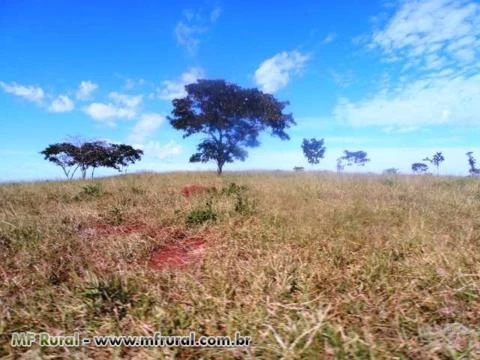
[474,171]
[419,168]
[436,160]
[121,156]
[230,117]
[313,149]
[350,158]
[63,155]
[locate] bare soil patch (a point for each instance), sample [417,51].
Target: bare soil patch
[179,251]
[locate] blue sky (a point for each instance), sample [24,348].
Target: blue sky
[398,79]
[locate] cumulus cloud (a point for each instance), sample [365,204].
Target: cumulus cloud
[155,149]
[108,112]
[146,125]
[437,42]
[174,89]
[60,104]
[193,25]
[122,106]
[29,92]
[85,89]
[275,72]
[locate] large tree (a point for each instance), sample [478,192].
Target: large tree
[313,149]
[230,117]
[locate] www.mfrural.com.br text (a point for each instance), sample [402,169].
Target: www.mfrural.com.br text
[44,339]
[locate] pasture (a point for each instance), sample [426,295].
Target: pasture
[310,265]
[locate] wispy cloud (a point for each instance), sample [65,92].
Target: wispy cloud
[173,89]
[432,33]
[329,38]
[275,73]
[85,89]
[193,25]
[343,79]
[156,149]
[61,104]
[28,92]
[436,43]
[146,126]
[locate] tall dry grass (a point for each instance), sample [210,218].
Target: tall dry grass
[308,265]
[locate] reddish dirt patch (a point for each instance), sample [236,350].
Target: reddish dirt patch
[179,255]
[191,190]
[179,251]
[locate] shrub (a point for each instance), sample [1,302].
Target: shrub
[199,216]
[110,296]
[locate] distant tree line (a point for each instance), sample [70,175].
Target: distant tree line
[231,119]
[71,157]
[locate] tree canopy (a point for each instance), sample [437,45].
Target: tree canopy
[419,168]
[313,149]
[474,171]
[90,155]
[230,117]
[352,158]
[436,160]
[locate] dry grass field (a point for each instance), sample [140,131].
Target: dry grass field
[309,265]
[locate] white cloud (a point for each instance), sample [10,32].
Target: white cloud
[188,31]
[60,104]
[275,72]
[155,149]
[215,14]
[108,112]
[432,32]
[130,101]
[122,106]
[329,38]
[438,42]
[436,101]
[174,89]
[147,124]
[85,89]
[343,79]
[29,92]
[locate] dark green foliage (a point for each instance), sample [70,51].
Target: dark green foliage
[436,160]
[313,149]
[474,171]
[93,190]
[202,215]
[112,297]
[233,189]
[90,155]
[419,168]
[231,117]
[352,158]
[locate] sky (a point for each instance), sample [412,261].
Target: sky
[397,79]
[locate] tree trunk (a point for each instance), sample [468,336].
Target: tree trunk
[219,168]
